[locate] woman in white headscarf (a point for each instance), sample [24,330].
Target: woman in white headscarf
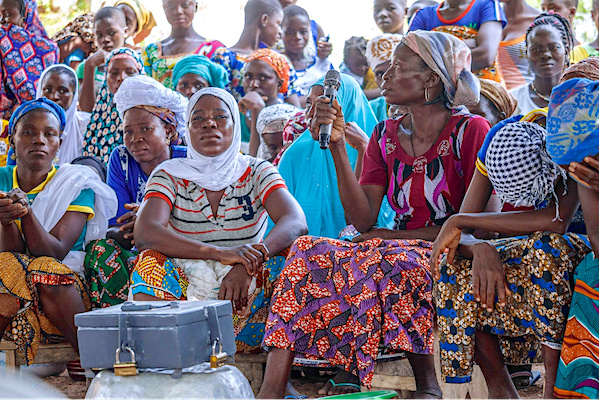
[203,218]
[153,123]
[59,83]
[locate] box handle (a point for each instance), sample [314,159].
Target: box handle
[213,320]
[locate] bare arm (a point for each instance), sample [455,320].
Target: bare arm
[59,241]
[589,201]
[361,203]
[290,221]
[151,232]
[487,43]
[10,237]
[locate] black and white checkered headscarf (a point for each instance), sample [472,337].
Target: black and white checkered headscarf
[518,166]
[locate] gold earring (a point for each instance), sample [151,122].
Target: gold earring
[13,156]
[56,159]
[426,95]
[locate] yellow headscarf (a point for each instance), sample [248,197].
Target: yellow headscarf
[145,19]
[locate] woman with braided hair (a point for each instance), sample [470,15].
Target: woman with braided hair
[549,41]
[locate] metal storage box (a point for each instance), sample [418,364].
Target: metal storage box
[162,334]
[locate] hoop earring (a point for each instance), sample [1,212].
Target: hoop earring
[426,95]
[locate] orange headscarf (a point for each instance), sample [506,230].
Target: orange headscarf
[277,61]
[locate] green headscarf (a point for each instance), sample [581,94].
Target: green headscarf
[216,75]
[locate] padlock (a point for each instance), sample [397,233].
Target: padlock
[125,368]
[217,359]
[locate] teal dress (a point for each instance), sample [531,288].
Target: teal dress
[379,107]
[309,172]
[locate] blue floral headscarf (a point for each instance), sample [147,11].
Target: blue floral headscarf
[39,104]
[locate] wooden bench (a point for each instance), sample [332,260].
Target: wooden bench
[395,375]
[46,354]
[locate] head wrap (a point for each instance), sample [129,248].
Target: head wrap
[587,68]
[145,19]
[276,114]
[503,100]
[104,132]
[449,58]
[37,104]
[274,117]
[147,93]
[215,74]
[211,173]
[277,61]
[519,167]
[573,121]
[124,53]
[72,136]
[380,49]
[82,26]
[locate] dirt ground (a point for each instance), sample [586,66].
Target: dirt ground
[77,390]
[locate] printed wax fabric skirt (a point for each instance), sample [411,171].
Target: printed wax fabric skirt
[338,301]
[159,276]
[578,369]
[18,276]
[538,269]
[108,269]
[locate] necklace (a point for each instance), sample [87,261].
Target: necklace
[532,85]
[434,141]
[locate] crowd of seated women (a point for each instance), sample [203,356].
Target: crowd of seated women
[446,207]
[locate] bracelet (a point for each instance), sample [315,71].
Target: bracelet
[267,250]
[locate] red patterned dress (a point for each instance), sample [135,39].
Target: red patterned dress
[339,300]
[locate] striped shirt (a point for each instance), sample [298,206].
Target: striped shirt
[513,63]
[241,217]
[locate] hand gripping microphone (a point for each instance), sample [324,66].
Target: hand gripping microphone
[331,85]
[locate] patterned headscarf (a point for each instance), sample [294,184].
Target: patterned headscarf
[82,26]
[277,113]
[215,74]
[573,121]
[519,167]
[37,104]
[104,132]
[145,19]
[147,93]
[449,58]
[277,61]
[503,100]
[380,49]
[587,68]
[212,173]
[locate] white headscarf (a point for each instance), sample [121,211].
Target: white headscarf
[144,90]
[51,204]
[211,173]
[72,136]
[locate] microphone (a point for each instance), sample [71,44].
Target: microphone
[332,81]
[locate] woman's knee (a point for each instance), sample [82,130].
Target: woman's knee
[9,305]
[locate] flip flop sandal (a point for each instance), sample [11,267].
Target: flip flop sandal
[525,379]
[346,384]
[301,396]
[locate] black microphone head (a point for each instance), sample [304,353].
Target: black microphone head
[332,79]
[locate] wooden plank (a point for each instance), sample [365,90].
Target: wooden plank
[50,355]
[393,382]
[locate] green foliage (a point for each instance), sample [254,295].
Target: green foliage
[583,26]
[55,15]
